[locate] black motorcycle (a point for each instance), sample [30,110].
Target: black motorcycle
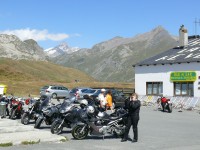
[67,118]
[100,125]
[49,112]
[30,113]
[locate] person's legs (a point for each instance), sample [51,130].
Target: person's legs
[163,106]
[7,111]
[128,126]
[135,129]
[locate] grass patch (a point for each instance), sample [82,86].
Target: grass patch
[6,144]
[30,142]
[65,139]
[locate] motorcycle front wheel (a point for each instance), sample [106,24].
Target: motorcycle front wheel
[12,114]
[55,129]
[25,119]
[76,132]
[38,123]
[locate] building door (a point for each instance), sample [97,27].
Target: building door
[183,89]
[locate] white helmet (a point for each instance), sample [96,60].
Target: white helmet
[36,98]
[103,90]
[101,114]
[19,99]
[90,109]
[85,102]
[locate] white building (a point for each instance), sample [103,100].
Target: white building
[175,72]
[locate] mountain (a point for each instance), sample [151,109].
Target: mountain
[61,49]
[112,60]
[12,47]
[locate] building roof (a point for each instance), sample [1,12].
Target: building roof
[188,54]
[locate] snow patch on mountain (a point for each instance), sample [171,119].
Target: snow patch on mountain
[61,49]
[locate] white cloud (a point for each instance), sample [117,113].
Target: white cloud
[37,35]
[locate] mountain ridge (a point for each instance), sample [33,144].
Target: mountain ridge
[59,50]
[109,60]
[112,60]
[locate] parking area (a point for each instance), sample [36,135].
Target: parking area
[157,130]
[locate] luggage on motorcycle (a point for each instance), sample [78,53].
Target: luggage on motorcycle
[3,109]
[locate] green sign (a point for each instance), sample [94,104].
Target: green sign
[183,76]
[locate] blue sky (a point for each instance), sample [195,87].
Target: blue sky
[84,23]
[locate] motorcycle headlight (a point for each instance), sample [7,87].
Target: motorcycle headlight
[101,114]
[62,111]
[37,115]
[67,109]
[14,104]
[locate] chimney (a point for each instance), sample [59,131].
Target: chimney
[183,36]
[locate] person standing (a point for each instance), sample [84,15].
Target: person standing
[102,100]
[132,104]
[109,101]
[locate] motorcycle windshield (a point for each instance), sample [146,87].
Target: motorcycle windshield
[44,103]
[72,99]
[83,115]
[32,101]
[65,104]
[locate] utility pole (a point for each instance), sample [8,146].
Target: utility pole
[196,23]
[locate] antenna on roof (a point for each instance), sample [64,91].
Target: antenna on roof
[195,23]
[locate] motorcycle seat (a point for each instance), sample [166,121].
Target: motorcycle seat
[114,118]
[110,118]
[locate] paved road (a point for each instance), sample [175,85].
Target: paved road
[157,130]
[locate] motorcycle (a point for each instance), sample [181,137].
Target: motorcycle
[30,113]
[100,125]
[16,108]
[166,104]
[67,117]
[49,112]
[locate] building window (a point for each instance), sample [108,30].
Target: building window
[154,88]
[183,89]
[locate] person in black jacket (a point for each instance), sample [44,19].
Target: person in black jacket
[132,104]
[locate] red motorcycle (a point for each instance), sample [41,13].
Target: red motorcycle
[16,109]
[166,104]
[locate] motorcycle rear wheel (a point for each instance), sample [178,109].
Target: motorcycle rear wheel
[25,119]
[55,128]
[76,132]
[170,108]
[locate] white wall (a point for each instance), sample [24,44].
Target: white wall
[161,73]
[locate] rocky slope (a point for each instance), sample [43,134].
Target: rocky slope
[12,47]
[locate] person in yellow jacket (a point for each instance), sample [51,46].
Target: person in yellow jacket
[109,101]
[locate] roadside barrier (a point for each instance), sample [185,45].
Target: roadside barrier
[187,103]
